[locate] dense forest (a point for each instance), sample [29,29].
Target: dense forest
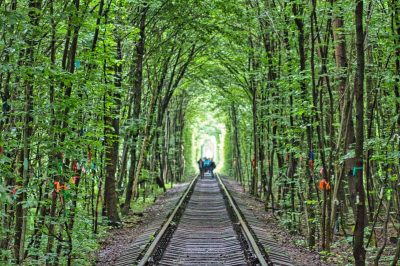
[104,103]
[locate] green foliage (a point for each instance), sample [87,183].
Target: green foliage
[202,60]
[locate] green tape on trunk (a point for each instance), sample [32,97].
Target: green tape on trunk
[26,163]
[355,170]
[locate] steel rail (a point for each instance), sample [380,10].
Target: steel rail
[153,246]
[246,230]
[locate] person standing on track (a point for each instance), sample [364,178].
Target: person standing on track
[201,167]
[206,165]
[212,167]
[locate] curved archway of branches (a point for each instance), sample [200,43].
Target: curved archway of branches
[106,104]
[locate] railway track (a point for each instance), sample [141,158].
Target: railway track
[275,251]
[205,228]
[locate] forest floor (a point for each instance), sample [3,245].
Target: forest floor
[294,244]
[120,239]
[290,243]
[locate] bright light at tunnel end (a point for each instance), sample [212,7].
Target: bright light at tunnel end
[208,141]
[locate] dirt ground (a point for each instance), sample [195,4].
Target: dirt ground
[298,254]
[119,239]
[295,244]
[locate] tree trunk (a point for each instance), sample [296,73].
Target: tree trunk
[345,103]
[253,90]
[358,245]
[20,217]
[137,94]
[238,157]
[385,234]
[111,140]
[297,12]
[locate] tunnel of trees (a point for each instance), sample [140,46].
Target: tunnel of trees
[104,103]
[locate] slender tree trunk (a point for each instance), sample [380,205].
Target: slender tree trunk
[238,156]
[137,94]
[345,103]
[111,139]
[297,11]
[385,234]
[20,215]
[5,125]
[143,149]
[358,245]
[396,33]
[253,90]
[165,152]
[254,180]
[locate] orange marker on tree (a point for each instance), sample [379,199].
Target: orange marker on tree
[323,184]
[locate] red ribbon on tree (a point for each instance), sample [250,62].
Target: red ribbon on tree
[58,187]
[323,184]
